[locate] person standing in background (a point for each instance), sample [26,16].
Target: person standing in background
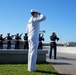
[53,39]
[25,41]
[17,41]
[33,29]
[41,38]
[9,38]
[1,41]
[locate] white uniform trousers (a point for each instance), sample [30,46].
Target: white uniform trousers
[32,54]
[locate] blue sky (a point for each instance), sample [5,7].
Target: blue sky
[61,17]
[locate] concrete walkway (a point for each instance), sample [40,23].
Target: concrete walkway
[65,64]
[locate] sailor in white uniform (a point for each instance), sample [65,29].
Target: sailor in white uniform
[32,30]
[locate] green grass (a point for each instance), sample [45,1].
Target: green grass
[21,69]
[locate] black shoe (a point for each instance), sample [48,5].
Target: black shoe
[55,58]
[49,58]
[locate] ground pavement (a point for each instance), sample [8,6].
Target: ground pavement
[65,63]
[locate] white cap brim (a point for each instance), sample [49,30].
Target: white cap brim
[32,10]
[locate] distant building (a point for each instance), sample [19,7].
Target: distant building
[69,43]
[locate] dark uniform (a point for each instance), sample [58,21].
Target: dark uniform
[9,38]
[40,41]
[1,41]
[53,38]
[25,41]
[17,41]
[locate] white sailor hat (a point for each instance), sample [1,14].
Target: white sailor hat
[33,10]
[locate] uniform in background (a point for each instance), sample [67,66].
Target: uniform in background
[25,41]
[9,38]
[53,39]
[17,41]
[41,38]
[1,41]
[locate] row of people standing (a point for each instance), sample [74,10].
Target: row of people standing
[40,46]
[9,38]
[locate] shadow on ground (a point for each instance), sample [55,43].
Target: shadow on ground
[59,63]
[47,72]
[65,74]
[64,58]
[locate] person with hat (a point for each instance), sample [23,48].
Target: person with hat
[33,29]
[9,38]
[1,41]
[53,39]
[25,41]
[17,41]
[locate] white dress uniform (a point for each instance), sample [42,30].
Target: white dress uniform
[33,29]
